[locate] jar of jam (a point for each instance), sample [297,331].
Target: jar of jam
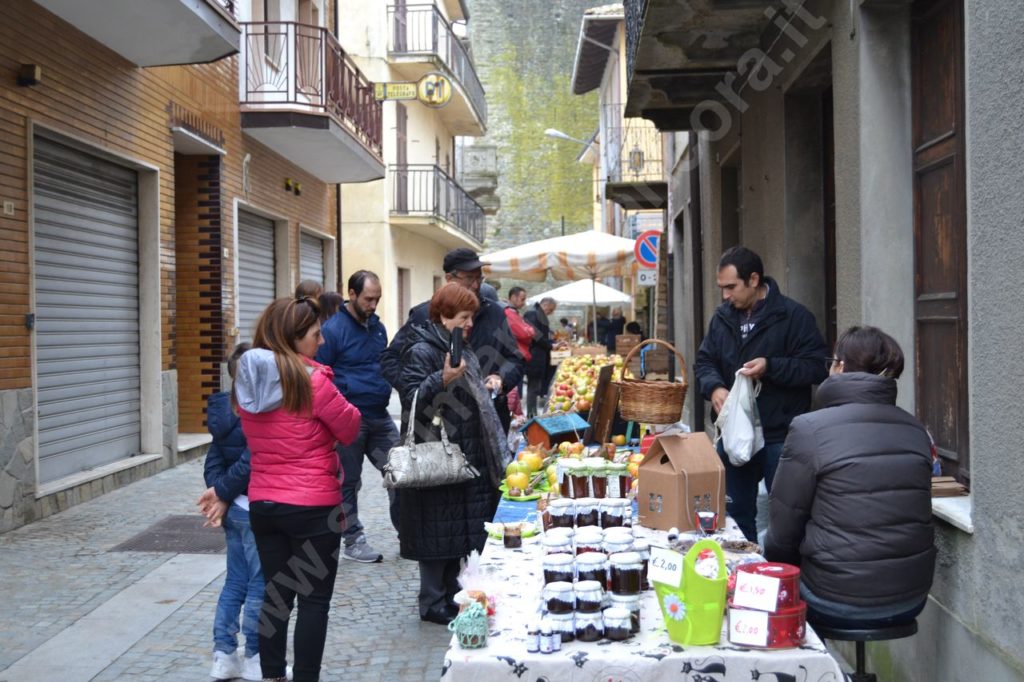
[558,568]
[613,544]
[589,595]
[631,604]
[625,570]
[592,566]
[578,482]
[596,468]
[564,624]
[562,512]
[613,513]
[587,513]
[643,548]
[556,543]
[558,597]
[618,479]
[589,539]
[617,624]
[589,627]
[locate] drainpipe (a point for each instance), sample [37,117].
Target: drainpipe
[337,194]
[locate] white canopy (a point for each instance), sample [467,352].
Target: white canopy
[583,255]
[584,292]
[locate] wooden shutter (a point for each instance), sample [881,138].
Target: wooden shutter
[940,229]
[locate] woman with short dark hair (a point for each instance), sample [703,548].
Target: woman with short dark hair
[851,503]
[441,525]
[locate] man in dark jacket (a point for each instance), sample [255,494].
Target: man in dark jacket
[354,339]
[774,340]
[616,326]
[537,368]
[852,504]
[490,338]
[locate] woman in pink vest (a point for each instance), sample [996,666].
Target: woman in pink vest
[292,415]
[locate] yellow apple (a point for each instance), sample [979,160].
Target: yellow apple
[518,480]
[532,459]
[619,439]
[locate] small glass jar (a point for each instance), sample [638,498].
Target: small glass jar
[613,513]
[556,543]
[597,470]
[618,480]
[562,512]
[563,623]
[558,597]
[617,542]
[589,627]
[589,539]
[577,483]
[643,548]
[617,624]
[532,639]
[592,566]
[589,596]
[587,513]
[631,603]
[558,568]
[625,569]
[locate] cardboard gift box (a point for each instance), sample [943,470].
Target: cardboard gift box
[681,475]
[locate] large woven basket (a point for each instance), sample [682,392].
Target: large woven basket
[653,402]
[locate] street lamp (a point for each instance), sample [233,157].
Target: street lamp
[559,135]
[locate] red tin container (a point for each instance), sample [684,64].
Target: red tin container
[786,627]
[789,575]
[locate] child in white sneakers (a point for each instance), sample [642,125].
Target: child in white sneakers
[225,503]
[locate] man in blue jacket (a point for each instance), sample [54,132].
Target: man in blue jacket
[773,339]
[354,339]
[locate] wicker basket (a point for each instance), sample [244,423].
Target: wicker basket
[653,402]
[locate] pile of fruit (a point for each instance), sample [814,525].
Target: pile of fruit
[576,380]
[524,477]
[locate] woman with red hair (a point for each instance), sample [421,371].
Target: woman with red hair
[441,525]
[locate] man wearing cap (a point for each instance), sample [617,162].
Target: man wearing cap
[490,338]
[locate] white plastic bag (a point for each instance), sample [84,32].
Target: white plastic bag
[739,425]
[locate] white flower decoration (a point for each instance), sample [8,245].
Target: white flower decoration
[674,607]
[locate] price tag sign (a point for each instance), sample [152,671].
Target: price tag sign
[748,627]
[665,566]
[756,591]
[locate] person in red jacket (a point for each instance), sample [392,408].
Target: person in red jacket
[292,415]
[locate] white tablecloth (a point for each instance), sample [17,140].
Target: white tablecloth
[516,578]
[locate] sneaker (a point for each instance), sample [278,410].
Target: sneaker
[251,668]
[361,551]
[226,666]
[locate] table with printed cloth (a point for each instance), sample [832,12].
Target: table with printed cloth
[647,656]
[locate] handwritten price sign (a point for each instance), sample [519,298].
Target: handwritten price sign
[665,566]
[756,591]
[748,627]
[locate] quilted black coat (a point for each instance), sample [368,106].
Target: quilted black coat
[851,504]
[443,522]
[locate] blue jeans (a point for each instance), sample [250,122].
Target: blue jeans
[242,585]
[376,436]
[741,485]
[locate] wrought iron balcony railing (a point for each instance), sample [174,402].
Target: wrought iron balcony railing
[302,68]
[422,189]
[632,151]
[423,30]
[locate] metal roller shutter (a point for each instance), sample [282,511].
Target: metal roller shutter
[86,271]
[255,270]
[311,258]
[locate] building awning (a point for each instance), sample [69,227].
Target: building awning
[596,44]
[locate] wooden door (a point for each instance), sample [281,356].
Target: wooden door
[940,220]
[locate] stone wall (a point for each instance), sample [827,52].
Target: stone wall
[524,54]
[17,468]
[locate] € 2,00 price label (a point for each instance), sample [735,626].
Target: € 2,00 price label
[748,627]
[665,566]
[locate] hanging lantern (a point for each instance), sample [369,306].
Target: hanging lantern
[636,160]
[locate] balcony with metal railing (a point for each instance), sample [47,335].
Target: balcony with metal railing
[634,165]
[428,201]
[421,40]
[304,97]
[156,32]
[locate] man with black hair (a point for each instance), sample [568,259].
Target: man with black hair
[354,339]
[772,339]
[490,337]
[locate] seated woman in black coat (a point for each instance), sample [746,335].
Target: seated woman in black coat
[440,526]
[851,504]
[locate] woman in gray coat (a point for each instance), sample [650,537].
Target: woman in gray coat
[851,504]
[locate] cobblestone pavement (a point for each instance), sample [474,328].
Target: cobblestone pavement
[56,570]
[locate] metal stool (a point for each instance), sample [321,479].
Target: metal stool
[865,635]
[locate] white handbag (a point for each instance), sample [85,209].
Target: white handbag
[739,423]
[425,465]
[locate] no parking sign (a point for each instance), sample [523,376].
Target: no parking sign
[646,249]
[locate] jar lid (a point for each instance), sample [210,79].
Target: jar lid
[616,613]
[616,531]
[561,502]
[555,617]
[625,599]
[617,467]
[640,545]
[558,559]
[586,502]
[591,558]
[626,558]
[557,587]
[595,462]
[582,617]
[555,541]
[589,586]
[588,534]
[570,463]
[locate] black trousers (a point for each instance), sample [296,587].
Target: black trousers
[439,581]
[536,388]
[298,548]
